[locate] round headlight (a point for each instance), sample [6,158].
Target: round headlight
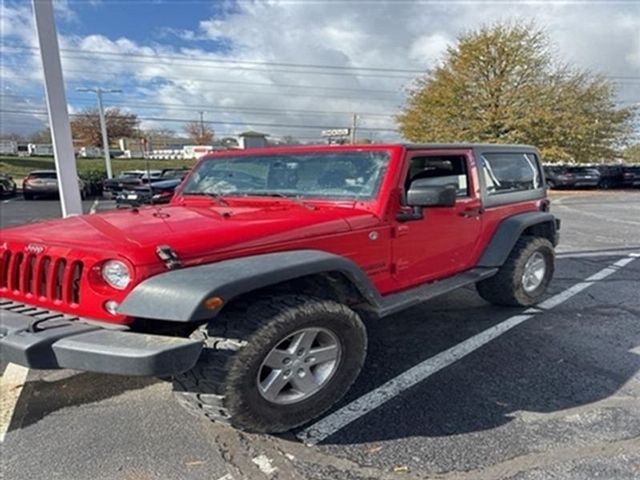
[116,274]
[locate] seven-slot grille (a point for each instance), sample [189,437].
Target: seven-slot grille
[41,276]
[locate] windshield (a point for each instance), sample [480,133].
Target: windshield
[333,175]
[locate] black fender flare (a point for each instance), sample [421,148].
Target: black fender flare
[508,232]
[180,295]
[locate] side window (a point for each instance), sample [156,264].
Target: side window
[511,172]
[440,170]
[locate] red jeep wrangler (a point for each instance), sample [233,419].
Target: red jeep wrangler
[250,287]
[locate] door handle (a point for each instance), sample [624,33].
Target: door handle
[471,212]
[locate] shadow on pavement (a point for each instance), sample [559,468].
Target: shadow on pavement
[572,356]
[41,397]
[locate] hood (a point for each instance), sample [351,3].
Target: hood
[192,231]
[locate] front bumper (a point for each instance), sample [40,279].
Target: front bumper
[41,339]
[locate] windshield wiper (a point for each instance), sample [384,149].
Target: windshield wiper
[217,196]
[293,198]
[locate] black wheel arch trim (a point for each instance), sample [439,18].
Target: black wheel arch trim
[179,295]
[510,230]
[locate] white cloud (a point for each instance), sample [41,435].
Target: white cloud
[429,48]
[397,35]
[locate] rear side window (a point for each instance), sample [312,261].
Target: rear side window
[43,175]
[511,172]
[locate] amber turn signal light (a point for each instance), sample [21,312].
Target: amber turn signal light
[213,303]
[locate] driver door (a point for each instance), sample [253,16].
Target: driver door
[444,241]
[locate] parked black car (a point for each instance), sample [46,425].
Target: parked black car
[174,173]
[631,176]
[156,192]
[8,187]
[128,180]
[572,177]
[611,176]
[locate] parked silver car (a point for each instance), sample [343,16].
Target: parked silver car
[41,183]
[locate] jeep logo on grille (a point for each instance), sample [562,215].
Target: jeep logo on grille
[34,248]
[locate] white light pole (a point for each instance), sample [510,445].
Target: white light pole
[65,159]
[103,124]
[354,125]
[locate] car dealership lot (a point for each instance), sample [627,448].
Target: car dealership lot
[557,396]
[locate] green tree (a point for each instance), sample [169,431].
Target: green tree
[501,84]
[631,154]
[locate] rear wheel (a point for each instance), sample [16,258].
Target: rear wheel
[274,363]
[525,275]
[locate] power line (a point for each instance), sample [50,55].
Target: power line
[166,75]
[239,68]
[82,54]
[193,58]
[263,93]
[187,120]
[198,107]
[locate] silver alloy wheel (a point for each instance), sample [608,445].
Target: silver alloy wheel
[299,365]
[534,272]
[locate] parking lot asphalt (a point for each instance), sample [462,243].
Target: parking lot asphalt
[556,396]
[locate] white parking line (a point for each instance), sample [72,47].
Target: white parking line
[588,254]
[11,383]
[264,464]
[344,416]
[94,206]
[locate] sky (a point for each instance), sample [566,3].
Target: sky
[282,67]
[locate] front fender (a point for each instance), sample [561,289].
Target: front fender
[179,295]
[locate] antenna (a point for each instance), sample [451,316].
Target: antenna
[148,168]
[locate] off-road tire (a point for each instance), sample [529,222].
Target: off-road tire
[222,386]
[505,287]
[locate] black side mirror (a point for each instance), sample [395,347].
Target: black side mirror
[424,194]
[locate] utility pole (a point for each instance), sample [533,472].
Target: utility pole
[354,125]
[65,159]
[201,125]
[103,124]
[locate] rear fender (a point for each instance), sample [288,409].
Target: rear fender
[510,230]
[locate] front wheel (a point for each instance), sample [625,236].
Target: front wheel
[274,363]
[525,275]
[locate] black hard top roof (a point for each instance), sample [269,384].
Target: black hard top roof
[478,146]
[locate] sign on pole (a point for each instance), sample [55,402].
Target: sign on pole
[57,107]
[336,132]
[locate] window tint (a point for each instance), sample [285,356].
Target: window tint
[511,172]
[43,175]
[440,170]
